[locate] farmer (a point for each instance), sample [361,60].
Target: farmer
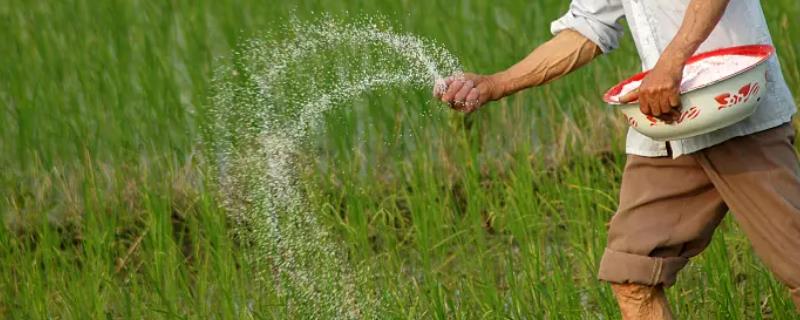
[674,194]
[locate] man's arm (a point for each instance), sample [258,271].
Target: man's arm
[659,94]
[562,54]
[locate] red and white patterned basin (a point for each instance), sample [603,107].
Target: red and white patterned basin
[710,104]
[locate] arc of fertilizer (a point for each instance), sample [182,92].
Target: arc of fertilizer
[261,185]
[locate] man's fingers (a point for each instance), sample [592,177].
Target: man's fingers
[668,113]
[657,105]
[452,90]
[675,104]
[473,96]
[472,101]
[650,105]
[644,107]
[462,94]
[441,86]
[675,101]
[644,101]
[655,110]
[668,106]
[664,104]
[630,96]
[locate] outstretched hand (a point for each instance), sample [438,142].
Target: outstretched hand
[467,92]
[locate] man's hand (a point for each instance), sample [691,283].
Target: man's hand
[468,92]
[659,94]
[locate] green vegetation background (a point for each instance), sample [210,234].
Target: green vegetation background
[108,210]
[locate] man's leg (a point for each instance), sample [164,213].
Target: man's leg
[758,176]
[667,213]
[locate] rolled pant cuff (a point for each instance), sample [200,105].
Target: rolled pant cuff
[621,267]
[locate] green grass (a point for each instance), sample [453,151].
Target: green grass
[109,212]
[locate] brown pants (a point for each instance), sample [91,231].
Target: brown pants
[669,209]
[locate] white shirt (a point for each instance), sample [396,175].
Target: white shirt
[653,24]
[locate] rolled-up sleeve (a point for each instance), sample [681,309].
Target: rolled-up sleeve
[597,20]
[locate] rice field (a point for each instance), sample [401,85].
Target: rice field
[110,209]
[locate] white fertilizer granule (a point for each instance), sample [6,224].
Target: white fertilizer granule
[702,72]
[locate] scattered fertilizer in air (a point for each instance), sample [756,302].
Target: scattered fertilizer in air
[267,103]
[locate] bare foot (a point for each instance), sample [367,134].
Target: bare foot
[640,302]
